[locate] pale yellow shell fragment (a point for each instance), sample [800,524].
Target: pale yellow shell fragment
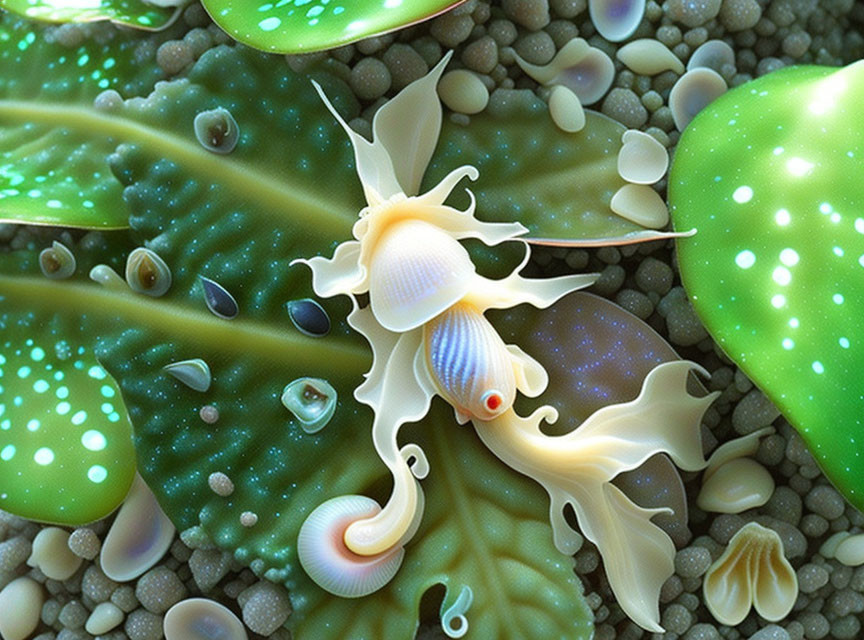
[138,538]
[642,159]
[737,448]
[566,110]
[751,572]
[616,20]
[736,486]
[693,92]
[462,91]
[714,54]
[105,616]
[51,554]
[829,547]
[585,70]
[648,57]
[851,551]
[202,619]
[639,203]
[24,597]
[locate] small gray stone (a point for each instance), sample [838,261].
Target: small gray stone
[625,106]
[784,504]
[96,585]
[84,543]
[531,14]
[753,412]
[702,631]
[825,501]
[159,589]
[13,553]
[143,625]
[771,632]
[692,562]
[812,577]
[209,567]
[265,606]
[73,615]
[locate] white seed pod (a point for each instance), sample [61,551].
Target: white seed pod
[216,130]
[616,20]
[469,363]
[57,261]
[194,373]
[138,538]
[642,159]
[639,203]
[714,54]
[417,271]
[736,486]
[693,92]
[108,278]
[147,273]
[462,91]
[202,619]
[566,110]
[648,57]
[328,561]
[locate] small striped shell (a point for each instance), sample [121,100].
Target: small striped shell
[417,271]
[469,363]
[328,561]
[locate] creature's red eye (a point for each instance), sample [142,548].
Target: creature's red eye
[493,400]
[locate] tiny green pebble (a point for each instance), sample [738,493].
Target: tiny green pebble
[775,268]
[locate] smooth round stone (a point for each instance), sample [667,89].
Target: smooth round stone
[463,92]
[52,555]
[851,551]
[23,596]
[105,616]
[776,268]
[202,619]
[66,454]
[736,486]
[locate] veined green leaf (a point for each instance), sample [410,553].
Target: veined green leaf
[131,13]
[53,151]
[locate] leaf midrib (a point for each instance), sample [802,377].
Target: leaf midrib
[242,336]
[238,177]
[487,568]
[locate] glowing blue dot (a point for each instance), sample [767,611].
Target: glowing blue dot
[107,392]
[63,408]
[79,417]
[5,425]
[96,372]
[41,386]
[818,367]
[107,407]
[745,259]
[114,417]
[33,425]
[837,298]
[844,342]
[742,194]
[788,343]
[268,24]
[24,371]
[97,473]
[37,354]
[44,456]
[93,440]
[8,452]
[62,393]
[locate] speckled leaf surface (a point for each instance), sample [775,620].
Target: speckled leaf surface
[770,176]
[131,13]
[303,26]
[53,147]
[557,184]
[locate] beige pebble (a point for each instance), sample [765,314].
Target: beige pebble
[52,555]
[138,538]
[829,547]
[463,92]
[566,110]
[738,448]
[693,92]
[642,160]
[220,484]
[248,518]
[851,551]
[648,57]
[611,22]
[202,619]
[714,54]
[640,204]
[736,486]
[105,617]
[209,414]
[24,596]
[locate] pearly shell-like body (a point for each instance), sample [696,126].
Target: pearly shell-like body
[417,271]
[469,363]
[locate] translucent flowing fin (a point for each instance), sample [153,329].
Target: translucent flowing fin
[577,468]
[395,398]
[633,237]
[340,274]
[374,167]
[408,126]
[531,377]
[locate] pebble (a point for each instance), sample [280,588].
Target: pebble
[702,631]
[174,56]
[846,628]
[463,92]
[25,597]
[13,553]
[816,626]
[405,65]
[825,501]
[159,589]
[73,615]
[209,567]
[84,543]
[850,550]
[654,275]
[812,577]
[676,618]
[813,525]
[124,597]
[143,625]
[531,14]
[52,555]
[220,484]
[625,106]
[771,632]
[610,280]
[739,15]
[683,325]
[692,13]
[370,79]
[692,562]
[753,412]
[96,585]
[482,55]
[105,616]
[635,302]
[265,607]
[784,504]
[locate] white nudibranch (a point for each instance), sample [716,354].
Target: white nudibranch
[429,336]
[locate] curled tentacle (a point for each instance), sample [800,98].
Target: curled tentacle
[577,469]
[327,559]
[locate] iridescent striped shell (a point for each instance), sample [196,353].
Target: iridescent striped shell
[469,363]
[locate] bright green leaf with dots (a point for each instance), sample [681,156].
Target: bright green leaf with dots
[53,141]
[770,176]
[66,452]
[302,26]
[129,13]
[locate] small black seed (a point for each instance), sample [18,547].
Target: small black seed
[218,300]
[309,317]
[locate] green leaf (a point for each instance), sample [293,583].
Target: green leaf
[53,148]
[557,184]
[304,26]
[130,13]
